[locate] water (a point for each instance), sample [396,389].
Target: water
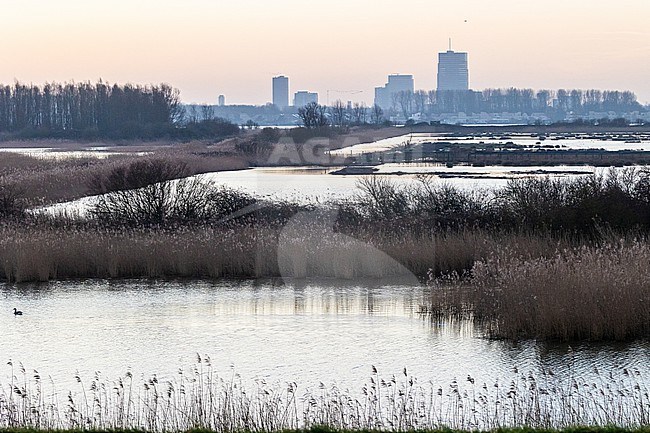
[319,185]
[641,142]
[307,332]
[99,152]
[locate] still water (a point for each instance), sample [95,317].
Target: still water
[307,332]
[319,185]
[640,142]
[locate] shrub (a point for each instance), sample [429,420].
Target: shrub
[155,203]
[137,174]
[12,202]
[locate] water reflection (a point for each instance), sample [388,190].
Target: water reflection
[299,298]
[307,332]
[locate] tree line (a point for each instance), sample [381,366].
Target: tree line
[549,102]
[99,110]
[554,104]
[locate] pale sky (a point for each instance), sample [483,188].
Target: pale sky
[211,47]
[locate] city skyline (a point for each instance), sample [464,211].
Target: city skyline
[207,48]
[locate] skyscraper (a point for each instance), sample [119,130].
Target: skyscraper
[396,83]
[453,73]
[281,91]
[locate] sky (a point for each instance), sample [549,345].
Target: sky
[347,47]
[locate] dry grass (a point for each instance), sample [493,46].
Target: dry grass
[597,292]
[304,247]
[43,181]
[42,254]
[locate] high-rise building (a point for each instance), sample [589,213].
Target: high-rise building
[302,98]
[222,100]
[453,72]
[281,91]
[396,83]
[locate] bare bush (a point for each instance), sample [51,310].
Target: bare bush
[137,174]
[381,198]
[187,200]
[12,202]
[156,203]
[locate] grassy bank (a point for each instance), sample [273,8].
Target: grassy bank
[36,181]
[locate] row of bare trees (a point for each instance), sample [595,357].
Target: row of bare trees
[339,115]
[100,109]
[514,100]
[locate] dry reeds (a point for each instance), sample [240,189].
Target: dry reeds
[299,248]
[44,181]
[597,292]
[201,399]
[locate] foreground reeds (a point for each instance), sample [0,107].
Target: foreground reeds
[201,399]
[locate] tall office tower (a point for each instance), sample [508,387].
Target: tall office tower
[281,91]
[396,83]
[222,100]
[453,73]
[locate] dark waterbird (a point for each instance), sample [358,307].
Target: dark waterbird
[17,312]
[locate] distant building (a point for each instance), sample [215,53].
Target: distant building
[453,73]
[281,91]
[222,100]
[396,83]
[302,98]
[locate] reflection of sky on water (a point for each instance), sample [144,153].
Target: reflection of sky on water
[526,140]
[310,331]
[52,153]
[318,185]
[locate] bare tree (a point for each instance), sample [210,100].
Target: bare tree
[420,99]
[207,112]
[360,113]
[377,115]
[313,116]
[405,103]
[193,114]
[338,113]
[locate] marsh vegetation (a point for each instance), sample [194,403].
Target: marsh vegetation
[516,260]
[198,398]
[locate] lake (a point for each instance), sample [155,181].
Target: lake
[307,332]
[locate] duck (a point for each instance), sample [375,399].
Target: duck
[17,312]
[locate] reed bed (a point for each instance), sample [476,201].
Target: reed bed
[42,181]
[199,398]
[38,252]
[597,292]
